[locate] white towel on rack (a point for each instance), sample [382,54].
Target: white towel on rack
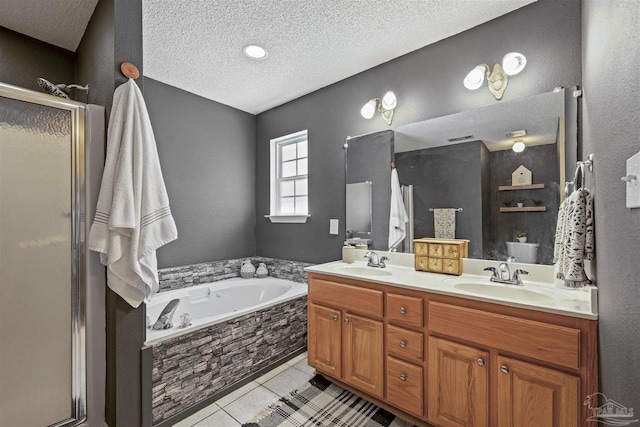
[576,233]
[133,217]
[398,217]
[444,223]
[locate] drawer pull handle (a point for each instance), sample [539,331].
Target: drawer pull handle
[335,317]
[346,320]
[403,377]
[480,362]
[403,310]
[504,369]
[403,344]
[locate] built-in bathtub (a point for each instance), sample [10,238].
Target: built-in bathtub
[239,327]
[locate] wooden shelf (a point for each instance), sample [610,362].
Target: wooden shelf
[520,187]
[525,209]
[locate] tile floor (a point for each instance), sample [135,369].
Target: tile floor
[241,405]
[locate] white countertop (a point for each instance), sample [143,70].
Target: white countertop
[539,296]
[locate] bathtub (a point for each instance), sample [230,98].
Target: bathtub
[217,302]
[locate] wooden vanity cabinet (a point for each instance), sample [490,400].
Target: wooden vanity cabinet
[458,385]
[447,361]
[346,334]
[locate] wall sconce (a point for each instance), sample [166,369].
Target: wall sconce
[498,78]
[385,106]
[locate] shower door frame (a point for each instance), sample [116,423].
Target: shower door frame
[78,259]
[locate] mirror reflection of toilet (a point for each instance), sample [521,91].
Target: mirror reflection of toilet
[523,252]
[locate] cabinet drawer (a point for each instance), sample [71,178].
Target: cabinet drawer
[405,344]
[542,341]
[451,266]
[435,265]
[451,251]
[435,250]
[404,310]
[351,298]
[421,263]
[421,249]
[405,387]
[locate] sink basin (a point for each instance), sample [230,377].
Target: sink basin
[363,271]
[503,291]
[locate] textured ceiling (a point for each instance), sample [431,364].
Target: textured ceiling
[197,45]
[58,22]
[537,114]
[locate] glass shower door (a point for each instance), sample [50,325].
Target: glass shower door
[41,327]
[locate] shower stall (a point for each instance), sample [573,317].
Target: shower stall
[43,258]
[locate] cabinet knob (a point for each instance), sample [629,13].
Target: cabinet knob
[403,377]
[504,369]
[480,362]
[335,317]
[346,320]
[403,344]
[403,310]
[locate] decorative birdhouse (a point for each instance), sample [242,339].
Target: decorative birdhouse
[521,176]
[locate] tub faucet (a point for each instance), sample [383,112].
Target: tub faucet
[164,320]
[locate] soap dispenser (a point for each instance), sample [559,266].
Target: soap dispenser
[348,253]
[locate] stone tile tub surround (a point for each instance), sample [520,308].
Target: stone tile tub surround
[191,368]
[195,274]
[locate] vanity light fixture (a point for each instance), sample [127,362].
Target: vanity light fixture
[518,146]
[255,52]
[498,78]
[385,106]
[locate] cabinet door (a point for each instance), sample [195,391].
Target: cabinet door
[325,340]
[458,387]
[532,396]
[363,354]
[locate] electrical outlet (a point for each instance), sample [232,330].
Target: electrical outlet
[633,181]
[333,226]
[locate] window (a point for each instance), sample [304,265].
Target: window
[289,178]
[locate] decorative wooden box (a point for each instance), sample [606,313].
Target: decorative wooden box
[440,255]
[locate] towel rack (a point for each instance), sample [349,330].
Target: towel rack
[455,209]
[579,175]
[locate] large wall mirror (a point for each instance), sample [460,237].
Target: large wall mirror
[466,161]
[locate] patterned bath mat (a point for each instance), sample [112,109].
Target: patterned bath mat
[322,403]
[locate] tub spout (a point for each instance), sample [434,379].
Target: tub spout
[164,320]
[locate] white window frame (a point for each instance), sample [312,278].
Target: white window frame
[275,178]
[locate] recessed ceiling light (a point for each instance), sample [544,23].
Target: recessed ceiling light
[518,147]
[255,52]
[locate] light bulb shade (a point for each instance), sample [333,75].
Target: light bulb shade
[369,109]
[475,78]
[518,147]
[389,101]
[513,63]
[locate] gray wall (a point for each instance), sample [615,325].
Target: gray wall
[207,152]
[24,59]
[540,227]
[446,177]
[428,83]
[612,132]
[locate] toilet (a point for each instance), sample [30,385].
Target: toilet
[523,252]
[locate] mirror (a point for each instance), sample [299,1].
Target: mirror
[466,161]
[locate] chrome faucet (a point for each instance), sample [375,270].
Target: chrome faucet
[502,275]
[164,320]
[373,260]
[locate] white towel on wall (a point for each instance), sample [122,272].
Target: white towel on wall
[398,217]
[133,217]
[444,223]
